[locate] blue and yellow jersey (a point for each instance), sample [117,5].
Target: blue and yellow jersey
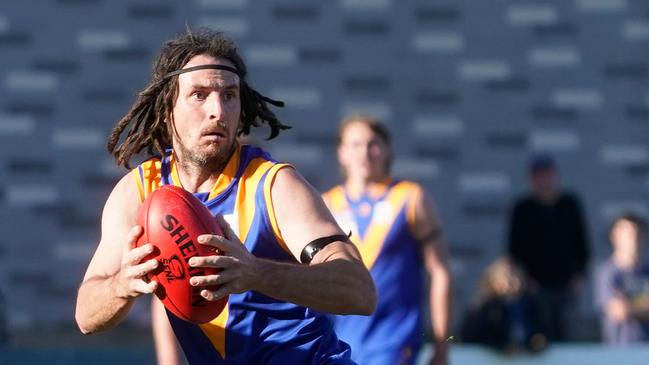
[381,222]
[253,328]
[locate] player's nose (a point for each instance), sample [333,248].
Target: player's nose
[214,106]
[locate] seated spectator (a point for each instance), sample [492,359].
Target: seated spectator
[505,315]
[622,284]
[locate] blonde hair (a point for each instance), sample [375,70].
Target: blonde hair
[502,267]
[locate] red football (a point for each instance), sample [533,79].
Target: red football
[173,219]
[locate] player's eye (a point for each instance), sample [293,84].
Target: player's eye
[229,95]
[199,95]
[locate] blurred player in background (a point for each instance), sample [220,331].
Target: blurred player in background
[622,284]
[395,227]
[188,118]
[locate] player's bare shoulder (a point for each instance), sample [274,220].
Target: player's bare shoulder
[117,219]
[301,214]
[296,194]
[120,210]
[287,179]
[426,223]
[124,196]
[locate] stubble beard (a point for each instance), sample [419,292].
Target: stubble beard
[211,162]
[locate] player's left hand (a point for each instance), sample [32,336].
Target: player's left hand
[238,266]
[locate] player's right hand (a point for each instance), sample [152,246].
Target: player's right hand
[131,280]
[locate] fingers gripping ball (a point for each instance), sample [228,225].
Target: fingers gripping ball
[173,219]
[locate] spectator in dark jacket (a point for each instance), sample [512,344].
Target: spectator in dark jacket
[548,239]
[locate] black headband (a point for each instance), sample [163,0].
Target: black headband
[225,68]
[202,67]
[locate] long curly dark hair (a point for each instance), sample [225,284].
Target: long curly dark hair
[150,119]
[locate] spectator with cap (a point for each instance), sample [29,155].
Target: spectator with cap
[622,284]
[548,239]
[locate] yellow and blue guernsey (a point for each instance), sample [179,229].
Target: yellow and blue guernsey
[381,221]
[253,328]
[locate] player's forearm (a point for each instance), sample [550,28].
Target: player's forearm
[99,305]
[166,348]
[338,286]
[440,300]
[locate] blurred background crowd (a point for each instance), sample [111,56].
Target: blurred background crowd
[526,121]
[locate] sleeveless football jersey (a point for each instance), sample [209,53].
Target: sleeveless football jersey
[253,328]
[380,221]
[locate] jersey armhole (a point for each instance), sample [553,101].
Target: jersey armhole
[268,183]
[411,210]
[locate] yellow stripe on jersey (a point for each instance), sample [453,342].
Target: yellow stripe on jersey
[411,208]
[228,174]
[377,232]
[335,199]
[215,330]
[138,182]
[150,180]
[245,202]
[269,204]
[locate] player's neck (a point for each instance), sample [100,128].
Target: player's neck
[358,186]
[200,179]
[625,261]
[196,180]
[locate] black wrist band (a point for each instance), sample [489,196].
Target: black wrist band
[316,245]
